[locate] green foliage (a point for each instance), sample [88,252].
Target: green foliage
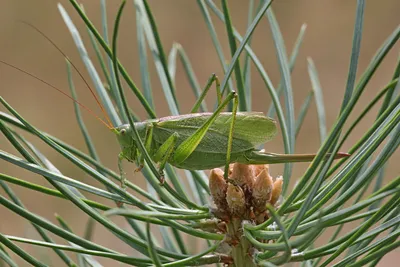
[328,195]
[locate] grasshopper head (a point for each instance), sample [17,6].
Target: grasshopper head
[125,139]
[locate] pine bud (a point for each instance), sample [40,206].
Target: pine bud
[277,190]
[243,175]
[230,169]
[236,200]
[259,168]
[218,187]
[262,191]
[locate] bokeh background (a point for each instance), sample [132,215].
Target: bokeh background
[328,41]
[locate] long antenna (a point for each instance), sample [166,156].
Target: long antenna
[76,69]
[109,126]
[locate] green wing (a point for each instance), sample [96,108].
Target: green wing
[251,129]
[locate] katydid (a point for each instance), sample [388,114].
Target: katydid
[194,141]
[198,141]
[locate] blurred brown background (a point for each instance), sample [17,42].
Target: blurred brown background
[328,41]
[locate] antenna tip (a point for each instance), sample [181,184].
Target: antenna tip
[343,155]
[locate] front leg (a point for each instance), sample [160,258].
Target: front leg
[164,153]
[121,170]
[147,144]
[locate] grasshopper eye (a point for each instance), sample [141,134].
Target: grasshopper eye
[123,131]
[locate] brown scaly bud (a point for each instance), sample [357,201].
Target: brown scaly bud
[230,169]
[262,191]
[261,217]
[277,190]
[218,187]
[243,175]
[236,200]
[259,168]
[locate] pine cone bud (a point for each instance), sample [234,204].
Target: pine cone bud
[230,169]
[218,187]
[262,191]
[259,168]
[243,175]
[277,190]
[236,200]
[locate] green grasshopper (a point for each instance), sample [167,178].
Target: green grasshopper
[200,141]
[197,141]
